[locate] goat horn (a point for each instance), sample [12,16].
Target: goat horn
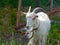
[38,9]
[29,8]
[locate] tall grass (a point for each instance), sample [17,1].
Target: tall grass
[9,37]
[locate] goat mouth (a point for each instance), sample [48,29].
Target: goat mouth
[30,28]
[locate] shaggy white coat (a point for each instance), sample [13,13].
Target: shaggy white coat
[42,22]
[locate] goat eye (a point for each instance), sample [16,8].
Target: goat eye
[35,17]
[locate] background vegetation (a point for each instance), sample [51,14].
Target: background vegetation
[8,9]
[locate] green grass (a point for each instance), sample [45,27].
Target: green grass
[7,22]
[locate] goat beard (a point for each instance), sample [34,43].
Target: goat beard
[29,32]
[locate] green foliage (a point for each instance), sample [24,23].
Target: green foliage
[8,19]
[55,31]
[29,3]
[14,3]
[45,2]
[4,3]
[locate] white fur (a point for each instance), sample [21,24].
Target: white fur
[42,22]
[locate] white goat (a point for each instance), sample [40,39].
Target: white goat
[41,23]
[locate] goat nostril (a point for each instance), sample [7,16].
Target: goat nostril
[27,27]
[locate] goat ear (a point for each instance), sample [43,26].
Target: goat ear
[35,17]
[23,13]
